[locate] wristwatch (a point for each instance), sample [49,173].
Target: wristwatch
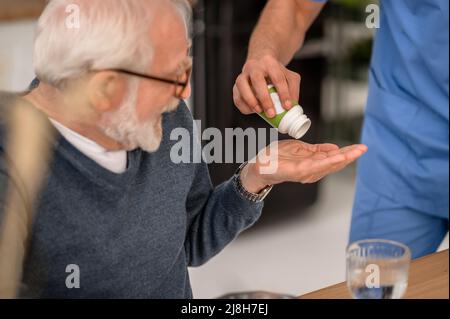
[256,198]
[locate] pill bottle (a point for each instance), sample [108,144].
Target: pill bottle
[293,122]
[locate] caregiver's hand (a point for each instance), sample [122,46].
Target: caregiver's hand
[250,93]
[296,161]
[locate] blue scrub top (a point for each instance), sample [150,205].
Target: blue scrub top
[406,123]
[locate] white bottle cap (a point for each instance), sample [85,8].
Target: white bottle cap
[295,123]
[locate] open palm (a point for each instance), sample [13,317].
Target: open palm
[296,161]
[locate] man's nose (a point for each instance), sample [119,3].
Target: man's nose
[186,92]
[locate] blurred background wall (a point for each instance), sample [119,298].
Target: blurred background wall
[17,22]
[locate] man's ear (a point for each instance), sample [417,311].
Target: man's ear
[106,90]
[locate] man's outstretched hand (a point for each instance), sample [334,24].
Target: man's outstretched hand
[296,161]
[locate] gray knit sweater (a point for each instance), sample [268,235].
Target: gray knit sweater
[131,235]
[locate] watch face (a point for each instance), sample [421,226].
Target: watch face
[265,192]
[246,194]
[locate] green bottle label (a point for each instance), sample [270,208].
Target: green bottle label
[272,90]
[280,111]
[274,121]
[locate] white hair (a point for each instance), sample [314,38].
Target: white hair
[185,9]
[110,34]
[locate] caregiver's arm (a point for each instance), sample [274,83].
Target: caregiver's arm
[279,33]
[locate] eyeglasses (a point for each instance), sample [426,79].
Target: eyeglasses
[181,82]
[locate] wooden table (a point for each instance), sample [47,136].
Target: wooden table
[428,279]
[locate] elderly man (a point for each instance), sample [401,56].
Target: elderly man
[114,208]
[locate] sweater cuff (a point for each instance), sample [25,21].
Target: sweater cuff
[235,202]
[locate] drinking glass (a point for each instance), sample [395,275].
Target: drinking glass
[377,269]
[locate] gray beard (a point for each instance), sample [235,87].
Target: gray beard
[123,126]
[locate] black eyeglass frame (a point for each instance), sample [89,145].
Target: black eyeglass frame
[177,83]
